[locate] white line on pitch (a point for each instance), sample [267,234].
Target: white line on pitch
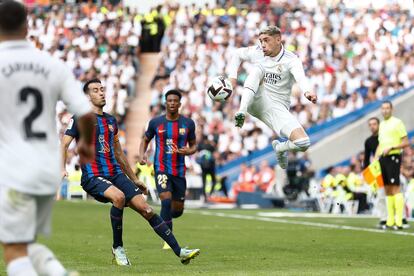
[298,222]
[310,215]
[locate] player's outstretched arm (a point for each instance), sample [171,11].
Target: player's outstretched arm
[64,145]
[122,160]
[298,73]
[233,67]
[251,85]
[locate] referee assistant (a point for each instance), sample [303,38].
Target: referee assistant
[370,148]
[392,139]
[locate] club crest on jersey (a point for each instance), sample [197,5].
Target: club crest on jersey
[111,128]
[279,69]
[181,131]
[104,145]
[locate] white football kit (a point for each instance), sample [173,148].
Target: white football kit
[31,83]
[271,79]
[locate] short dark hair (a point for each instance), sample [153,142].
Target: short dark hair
[13,16]
[374,118]
[87,83]
[387,102]
[173,92]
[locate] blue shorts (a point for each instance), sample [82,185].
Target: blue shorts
[97,185]
[174,184]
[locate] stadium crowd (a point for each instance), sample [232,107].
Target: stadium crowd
[95,43]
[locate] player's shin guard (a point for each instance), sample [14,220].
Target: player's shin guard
[116,222]
[44,261]
[21,267]
[161,228]
[166,212]
[390,210]
[399,208]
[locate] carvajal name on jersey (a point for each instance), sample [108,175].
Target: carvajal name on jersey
[17,67]
[272,78]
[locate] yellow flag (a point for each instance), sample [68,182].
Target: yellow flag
[372,174]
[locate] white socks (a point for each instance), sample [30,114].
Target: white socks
[301,144]
[44,261]
[21,267]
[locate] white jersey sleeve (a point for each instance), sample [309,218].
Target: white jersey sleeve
[71,93]
[296,69]
[250,54]
[254,79]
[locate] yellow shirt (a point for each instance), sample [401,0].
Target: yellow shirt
[353,180]
[75,176]
[390,134]
[145,169]
[328,181]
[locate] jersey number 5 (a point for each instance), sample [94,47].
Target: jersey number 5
[25,93]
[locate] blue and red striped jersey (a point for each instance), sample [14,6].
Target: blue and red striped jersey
[105,133]
[170,136]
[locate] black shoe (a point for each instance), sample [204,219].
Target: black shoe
[382,225]
[405,224]
[397,228]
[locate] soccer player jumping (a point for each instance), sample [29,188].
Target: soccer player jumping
[172,131]
[267,90]
[109,178]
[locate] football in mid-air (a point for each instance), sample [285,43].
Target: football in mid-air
[220,89]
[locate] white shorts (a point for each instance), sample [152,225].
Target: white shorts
[23,216]
[276,116]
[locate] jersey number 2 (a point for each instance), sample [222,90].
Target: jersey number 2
[25,93]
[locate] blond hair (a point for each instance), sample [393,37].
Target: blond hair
[270,30]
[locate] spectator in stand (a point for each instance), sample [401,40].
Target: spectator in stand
[264,177]
[96,42]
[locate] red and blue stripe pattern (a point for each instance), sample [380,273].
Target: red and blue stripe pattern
[105,163]
[169,136]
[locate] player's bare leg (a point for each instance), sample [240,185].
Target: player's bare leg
[139,204]
[17,259]
[298,141]
[177,208]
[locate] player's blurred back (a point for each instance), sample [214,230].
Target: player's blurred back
[31,82]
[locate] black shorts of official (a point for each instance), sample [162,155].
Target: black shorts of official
[390,168]
[96,187]
[170,183]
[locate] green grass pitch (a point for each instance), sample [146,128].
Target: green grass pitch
[229,246]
